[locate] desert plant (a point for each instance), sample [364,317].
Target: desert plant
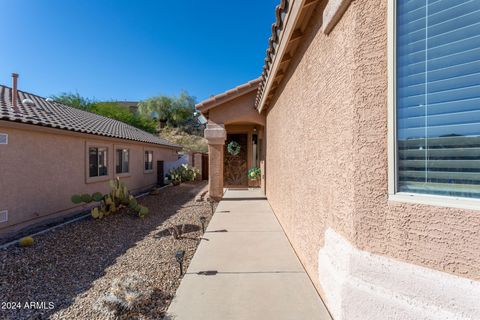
[254,173]
[126,296]
[183,173]
[26,242]
[118,197]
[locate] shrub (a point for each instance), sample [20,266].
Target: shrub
[184,173]
[126,295]
[26,242]
[254,173]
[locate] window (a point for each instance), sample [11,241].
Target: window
[148,160]
[437,97]
[3,138]
[122,161]
[97,164]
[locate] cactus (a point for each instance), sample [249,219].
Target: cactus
[97,196]
[143,211]
[132,203]
[95,213]
[26,242]
[110,203]
[86,198]
[76,198]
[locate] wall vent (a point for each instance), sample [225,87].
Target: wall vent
[3,138]
[3,216]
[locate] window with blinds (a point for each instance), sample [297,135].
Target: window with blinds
[438,97]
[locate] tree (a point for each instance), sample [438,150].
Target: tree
[73,100]
[108,109]
[172,112]
[161,106]
[117,112]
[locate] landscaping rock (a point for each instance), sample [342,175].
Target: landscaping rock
[71,270]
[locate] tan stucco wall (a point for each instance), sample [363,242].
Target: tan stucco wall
[327,155]
[42,168]
[237,111]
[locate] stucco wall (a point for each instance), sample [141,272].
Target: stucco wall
[237,111]
[41,169]
[327,155]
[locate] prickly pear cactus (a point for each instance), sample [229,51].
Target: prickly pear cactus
[95,213]
[76,198]
[97,196]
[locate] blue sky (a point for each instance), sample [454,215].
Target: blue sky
[131,50]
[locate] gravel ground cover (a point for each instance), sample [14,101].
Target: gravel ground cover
[69,270]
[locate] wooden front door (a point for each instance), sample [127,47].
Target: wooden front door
[235,168]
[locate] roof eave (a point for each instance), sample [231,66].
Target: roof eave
[228,95]
[291,29]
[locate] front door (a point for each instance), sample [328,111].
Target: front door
[235,168]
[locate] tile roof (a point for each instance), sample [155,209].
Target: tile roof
[227,95]
[277,27]
[56,115]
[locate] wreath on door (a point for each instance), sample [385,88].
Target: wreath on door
[233,148]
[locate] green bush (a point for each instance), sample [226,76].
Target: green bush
[183,173]
[254,173]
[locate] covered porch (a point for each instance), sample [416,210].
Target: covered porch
[236,139]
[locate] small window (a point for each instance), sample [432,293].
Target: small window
[3,138]
[98,162]
[3,216]
[148,160]
[122,161]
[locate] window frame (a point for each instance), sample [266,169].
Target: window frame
[87,162]
[153,161]
[117,148]
[393,193]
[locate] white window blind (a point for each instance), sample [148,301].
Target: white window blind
[438,97]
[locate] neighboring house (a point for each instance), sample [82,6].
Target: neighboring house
[369,114]
[49,151]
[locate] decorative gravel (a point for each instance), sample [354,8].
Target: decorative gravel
[68,270]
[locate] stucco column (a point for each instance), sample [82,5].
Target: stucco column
[216,136]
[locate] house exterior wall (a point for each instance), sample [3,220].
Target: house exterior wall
[327,170]
[42,168]
[237,111]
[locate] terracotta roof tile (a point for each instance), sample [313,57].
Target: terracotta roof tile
[227,95]
[57,115]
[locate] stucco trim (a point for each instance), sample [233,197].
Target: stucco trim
[361,285]
[433,200]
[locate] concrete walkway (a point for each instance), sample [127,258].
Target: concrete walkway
[245,268]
